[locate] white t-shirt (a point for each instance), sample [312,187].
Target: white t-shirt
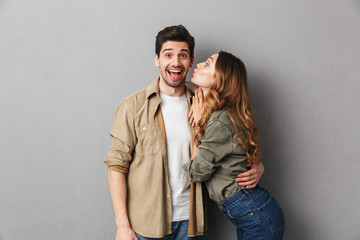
[174,111]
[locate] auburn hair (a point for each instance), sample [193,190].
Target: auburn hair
[230,91]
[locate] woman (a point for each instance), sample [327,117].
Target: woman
[226,137]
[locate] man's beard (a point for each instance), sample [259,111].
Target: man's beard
[173,85]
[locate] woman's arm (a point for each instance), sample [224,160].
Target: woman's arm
[216,143]
[194,151]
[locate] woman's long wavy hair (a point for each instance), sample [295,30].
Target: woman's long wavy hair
[230,91]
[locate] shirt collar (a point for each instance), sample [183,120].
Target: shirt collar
[153,88]
[189,95]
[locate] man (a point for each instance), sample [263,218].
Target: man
[151,138]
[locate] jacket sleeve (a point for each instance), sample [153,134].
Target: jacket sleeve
[123,139]
[216,143]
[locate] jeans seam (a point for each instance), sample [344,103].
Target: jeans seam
[262,207]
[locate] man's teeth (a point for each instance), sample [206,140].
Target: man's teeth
[175,71]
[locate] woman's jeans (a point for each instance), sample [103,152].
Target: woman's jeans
[255,213]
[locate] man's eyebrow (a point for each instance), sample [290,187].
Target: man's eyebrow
[211,59]
[168,49]
[185,50]
[182,50]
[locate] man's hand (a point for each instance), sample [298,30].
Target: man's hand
[125,234]
[251,178]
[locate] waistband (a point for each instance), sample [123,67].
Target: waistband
[243,195]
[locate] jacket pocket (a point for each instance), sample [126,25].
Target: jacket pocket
[148,143]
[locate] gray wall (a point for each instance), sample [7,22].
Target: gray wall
[65,66]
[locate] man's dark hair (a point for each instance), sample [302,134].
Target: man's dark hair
[174,33]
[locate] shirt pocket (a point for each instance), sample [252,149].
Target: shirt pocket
[148,143]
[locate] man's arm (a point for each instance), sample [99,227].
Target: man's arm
[251,177]
[118,190]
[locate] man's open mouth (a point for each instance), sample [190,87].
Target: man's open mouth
[175,73]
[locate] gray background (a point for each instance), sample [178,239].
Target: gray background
[65,66]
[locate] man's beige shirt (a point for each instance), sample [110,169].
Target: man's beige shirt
[139,149]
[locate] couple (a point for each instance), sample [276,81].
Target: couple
[155,185]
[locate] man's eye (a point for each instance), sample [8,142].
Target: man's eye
[183,55]
[168,55]
[206,64]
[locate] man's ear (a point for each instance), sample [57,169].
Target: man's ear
[192,60]
[157,60]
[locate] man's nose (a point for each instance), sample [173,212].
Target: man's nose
[176,61]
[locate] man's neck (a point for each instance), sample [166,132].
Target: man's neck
[171,91]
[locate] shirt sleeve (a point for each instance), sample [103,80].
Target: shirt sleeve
[123,139]
[216,143]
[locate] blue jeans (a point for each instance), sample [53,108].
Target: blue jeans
[179,232]
[255,214]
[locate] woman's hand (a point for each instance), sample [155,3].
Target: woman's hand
[197,107]
[191,116]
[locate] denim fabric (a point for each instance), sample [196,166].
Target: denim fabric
[255,214]
[179,232]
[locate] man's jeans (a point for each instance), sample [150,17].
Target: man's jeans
[179,232]
[255,214]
